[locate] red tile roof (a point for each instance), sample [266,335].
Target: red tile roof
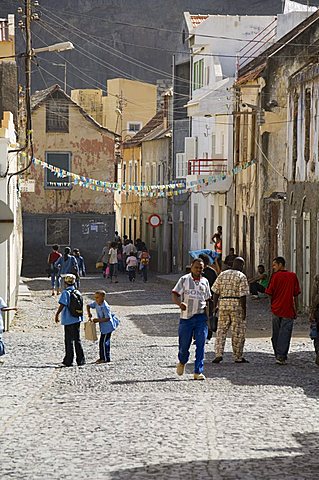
[198,19]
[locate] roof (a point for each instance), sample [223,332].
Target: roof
[154,123]
[39,97]
[259,63]
[198,19]
[158,133]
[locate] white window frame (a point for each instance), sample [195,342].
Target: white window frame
[134,123]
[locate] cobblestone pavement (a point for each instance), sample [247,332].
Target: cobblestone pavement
[134,418]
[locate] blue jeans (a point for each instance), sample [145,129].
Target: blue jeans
[55,281]
[197,326]
[281,336]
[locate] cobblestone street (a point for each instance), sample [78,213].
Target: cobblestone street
[134,418]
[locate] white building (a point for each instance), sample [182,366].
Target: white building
[218,46]
[10,249]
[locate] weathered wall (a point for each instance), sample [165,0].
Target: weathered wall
[92,153]
[88,232]
[8,88]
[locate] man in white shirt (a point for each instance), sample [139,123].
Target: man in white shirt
[191,294]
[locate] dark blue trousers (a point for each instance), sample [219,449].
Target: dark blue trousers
[105,346]
[195,326]
[281,336]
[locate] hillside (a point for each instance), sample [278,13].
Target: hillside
[103,31]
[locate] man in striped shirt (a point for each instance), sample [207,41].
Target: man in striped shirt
[191,294]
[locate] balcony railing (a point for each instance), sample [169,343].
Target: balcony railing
[207,166]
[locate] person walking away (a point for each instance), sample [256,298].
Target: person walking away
[104,257]
[120,263]
[191,294]
[284,290]
[229,259]
[117,238]
[54,271]
[67,264]
[230,291]
[314,316]
[259,283]
[103,313]
[3,308]
[210,273]
[71,307]
[81,265]
[144,263]
[131,266]
[113,262]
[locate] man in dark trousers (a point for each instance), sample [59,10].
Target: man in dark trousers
[284,289]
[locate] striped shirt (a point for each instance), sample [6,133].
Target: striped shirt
[194,293]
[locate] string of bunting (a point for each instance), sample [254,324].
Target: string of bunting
[168,190]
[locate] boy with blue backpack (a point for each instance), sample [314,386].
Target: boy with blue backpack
[71,307]
[107,321]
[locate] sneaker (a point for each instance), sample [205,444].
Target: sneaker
[281,361]
[180,368]
[217,360]
[242,360]
[100,360]
[199,376]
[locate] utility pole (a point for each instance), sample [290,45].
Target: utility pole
[28,57]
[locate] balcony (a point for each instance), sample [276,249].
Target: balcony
[207,166]
[204,168]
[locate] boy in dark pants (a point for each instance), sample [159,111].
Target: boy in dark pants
[103,312]
[71,324]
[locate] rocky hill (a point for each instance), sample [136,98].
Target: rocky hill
[113,37]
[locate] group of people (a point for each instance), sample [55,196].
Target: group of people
[213,298]
[71,310]
[64,264]
[125,256]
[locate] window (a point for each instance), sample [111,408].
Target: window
[207,76]
[130,174]
[57,115]
[213,145]
[124,226]
[195,229]
[153,174]
[212,221]
[307,124]
[136,173]
[147,173]
[198,74]
[124,173]
[58,231]
[295,136]
[61,160]
[134,127]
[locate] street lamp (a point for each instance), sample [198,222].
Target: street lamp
[57,47]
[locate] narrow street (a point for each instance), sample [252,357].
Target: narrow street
[134,418]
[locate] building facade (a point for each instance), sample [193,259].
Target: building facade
[60,210]
[11,245]
[277,209]
[208,151]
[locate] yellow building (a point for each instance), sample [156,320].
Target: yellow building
[128,206]
[126,108]
[7,39]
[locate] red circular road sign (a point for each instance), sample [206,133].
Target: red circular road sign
[154,220]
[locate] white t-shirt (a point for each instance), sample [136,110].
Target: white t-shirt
[127,249]
[131,261]
[194,293]
[2,305]
[113,255]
